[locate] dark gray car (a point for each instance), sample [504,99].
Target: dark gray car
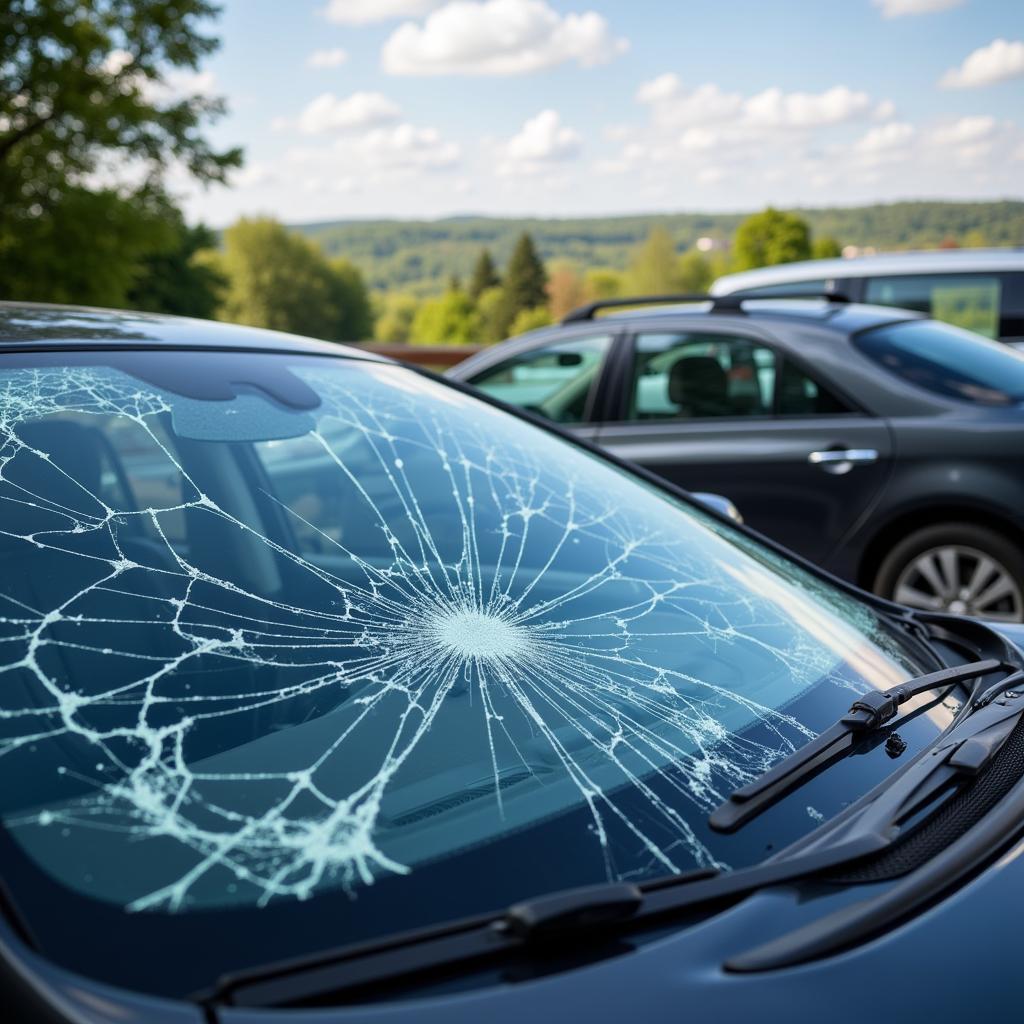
[886,446]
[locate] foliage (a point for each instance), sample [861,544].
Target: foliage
[280,280]
[826,248]
[525,284]
[604,283]
[178,280]
[450,319]
[653,267]
[353,302]
[418,256]
[489,308]
[770,237]
[530,320]
[485,275]
[694,272]
[395,315]
[87,249]
[566,291]
[85,92]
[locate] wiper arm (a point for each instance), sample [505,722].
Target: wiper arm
[867,714]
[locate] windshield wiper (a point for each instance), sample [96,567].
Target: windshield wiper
[868,713]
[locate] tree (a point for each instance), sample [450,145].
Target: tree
[694,273]
[770,237]
[449,319]
[485,275]
[355,311]
[489,309]
[604,283]
[280,280]
[826,248]
[86,87]
[566,291]
[530,320]
[395,317]
[525,283]
[653,268]
[178,279]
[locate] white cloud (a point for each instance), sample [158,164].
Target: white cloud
[329,113]
[899,8]
[996,62]
[885,138]
[544,137]
[967,129]
[405,146]
[673,106]
[774,108]
[326,58]
[362,12]
[498,37]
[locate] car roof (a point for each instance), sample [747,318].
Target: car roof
[37,326]
[841,317]
[942,261]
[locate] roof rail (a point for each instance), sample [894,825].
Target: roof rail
[732,303]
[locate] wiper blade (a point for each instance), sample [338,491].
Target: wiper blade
[867,714]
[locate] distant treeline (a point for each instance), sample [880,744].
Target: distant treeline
[422,256]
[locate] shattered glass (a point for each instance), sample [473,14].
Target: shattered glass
[253,648]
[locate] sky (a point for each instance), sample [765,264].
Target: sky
[429,108]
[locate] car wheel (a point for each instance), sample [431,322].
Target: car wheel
[957,568]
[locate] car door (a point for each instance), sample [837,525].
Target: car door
[558,379]
[721,411]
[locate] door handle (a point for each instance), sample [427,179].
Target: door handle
[839,461]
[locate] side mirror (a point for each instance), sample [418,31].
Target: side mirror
[720,504]
[569,359]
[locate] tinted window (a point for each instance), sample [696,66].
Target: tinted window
[315,650]
[797,288]
[970,301]
[948,361]
[556,380]
[800,395]
[693,376]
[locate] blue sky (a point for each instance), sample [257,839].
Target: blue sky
[424,108]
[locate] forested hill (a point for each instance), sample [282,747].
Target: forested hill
[420,256]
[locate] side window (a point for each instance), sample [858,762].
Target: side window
[799,395]
[970,301]
[791,288]
[693,375]
[555,381]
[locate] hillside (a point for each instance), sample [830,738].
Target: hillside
[419,256]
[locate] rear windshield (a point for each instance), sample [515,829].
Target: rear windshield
[948,361]
[297,651]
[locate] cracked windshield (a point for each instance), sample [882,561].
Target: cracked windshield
[341,624]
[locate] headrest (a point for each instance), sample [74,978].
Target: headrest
[699,385]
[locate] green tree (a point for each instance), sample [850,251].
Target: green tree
[485,275]
[355,311]
[653,267]
[525,283]
[489,308]
[826,248]
[530,320]
[177,279]
[395,315]
[280,280]
[770,237]
[604,283]
[88,86]
[694,272]
[449,319]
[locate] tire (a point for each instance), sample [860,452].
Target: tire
[956,567]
